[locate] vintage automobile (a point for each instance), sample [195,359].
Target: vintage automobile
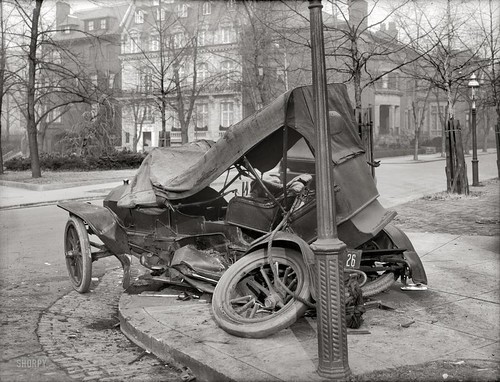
[212,215]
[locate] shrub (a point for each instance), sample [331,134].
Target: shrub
[71,162]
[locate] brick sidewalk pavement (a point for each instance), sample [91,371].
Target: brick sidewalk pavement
[79,333]
[476,214]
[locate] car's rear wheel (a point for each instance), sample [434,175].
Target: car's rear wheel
[77,254]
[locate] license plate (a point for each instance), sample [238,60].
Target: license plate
[353,258]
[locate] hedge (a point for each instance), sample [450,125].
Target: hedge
[60,162]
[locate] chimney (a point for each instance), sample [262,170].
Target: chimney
[392,30]
[62,12]
[358,11]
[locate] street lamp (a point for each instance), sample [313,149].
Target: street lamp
[328,249]
[473,85]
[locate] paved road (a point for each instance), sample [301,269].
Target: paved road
[400,180]
[33,282]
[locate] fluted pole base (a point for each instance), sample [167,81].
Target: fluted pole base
[332,330]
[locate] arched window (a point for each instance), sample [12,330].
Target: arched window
[207,8]
[155,43]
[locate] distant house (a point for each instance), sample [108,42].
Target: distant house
[181,71]
[92,39]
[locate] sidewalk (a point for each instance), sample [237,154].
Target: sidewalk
[455,320]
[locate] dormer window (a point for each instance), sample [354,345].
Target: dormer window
[139,17]
[90,25]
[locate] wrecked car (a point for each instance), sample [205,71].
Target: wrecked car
[228,218]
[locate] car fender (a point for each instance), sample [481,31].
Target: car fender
[289,240]
[399,238]
[105,225]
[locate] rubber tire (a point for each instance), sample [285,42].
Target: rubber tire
[380,284]
[83,284]
[285,317]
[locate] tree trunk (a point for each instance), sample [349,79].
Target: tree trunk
[32,132]
[486,130]
[2,77]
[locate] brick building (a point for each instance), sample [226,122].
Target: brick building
[92,38]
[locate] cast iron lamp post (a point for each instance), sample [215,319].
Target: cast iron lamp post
[473,85]
[328,249]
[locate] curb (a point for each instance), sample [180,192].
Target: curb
[50,202]
[421,161]
[179,349]
[54,186]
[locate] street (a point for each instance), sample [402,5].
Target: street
[33,278]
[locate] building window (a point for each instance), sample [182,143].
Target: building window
[226,114]
[202,72]
[160,14]
[202,38]
[146,113]
[67,29]
[124,43]
[103,24]
[181,71]
[127,137]
[385,82]
[155,43]
[175,121]
[207,8]
[435,128]
[139,17]
[226,35]
[90,25]
[56,57]
[134,43]
[182,10]
[202,116]
[226,69]
[145,80]
[178,39]
[57,115]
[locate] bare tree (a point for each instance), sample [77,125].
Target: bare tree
[54,80]
[167,63]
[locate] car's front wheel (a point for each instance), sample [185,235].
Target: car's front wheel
[255,299]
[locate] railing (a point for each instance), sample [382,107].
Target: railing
[200,134]
[175,137]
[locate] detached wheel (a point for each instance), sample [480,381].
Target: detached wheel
[77,254]
[250,302]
